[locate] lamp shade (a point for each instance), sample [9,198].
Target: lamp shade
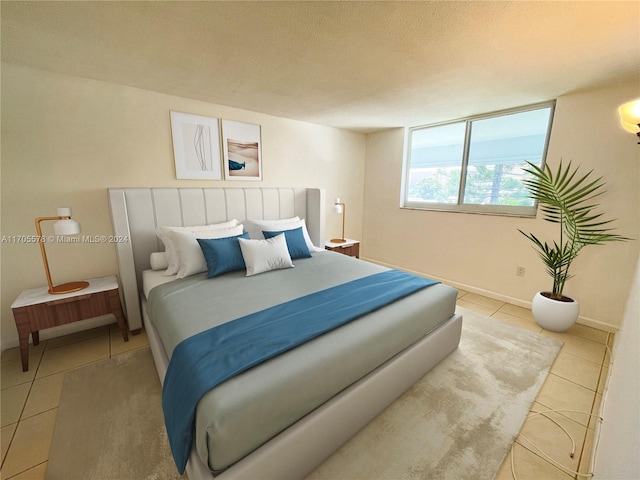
[630,115]
[629,127]
[66,227]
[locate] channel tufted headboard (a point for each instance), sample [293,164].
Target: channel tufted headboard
[136,212]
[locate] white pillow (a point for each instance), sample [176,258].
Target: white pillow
[190,257]
[158,261]
[172,257]
[255,228]
[265,255]
[307,238]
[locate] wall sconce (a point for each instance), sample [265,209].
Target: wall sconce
[339,207]
[630,117]
[64,226]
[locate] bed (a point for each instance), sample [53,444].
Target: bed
[256,433]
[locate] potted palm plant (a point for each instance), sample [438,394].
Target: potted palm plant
[564,198]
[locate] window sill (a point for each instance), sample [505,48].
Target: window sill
[495,210]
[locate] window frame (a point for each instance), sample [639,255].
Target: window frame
[459,206]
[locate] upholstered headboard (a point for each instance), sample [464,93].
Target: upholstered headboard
[136,212]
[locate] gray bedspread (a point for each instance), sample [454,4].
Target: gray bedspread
[241,414]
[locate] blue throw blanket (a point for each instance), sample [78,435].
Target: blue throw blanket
[207,359]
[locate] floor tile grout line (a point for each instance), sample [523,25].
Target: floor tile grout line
[22,417]
[576,383]
[13,435]
[598,364]
[24,406]
[598,419]
[30,468]
[587,339]
[10,442]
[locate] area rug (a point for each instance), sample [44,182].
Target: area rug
[458,422]
[110,424]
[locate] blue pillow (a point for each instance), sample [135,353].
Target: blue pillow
[222,254]
[295,242]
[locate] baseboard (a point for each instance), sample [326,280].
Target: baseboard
[582,320]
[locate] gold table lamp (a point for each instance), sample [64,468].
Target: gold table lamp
[65,225]
[339,207]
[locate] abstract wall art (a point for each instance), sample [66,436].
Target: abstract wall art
[196,146]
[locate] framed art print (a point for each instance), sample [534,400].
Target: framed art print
[196,146]
[241,148]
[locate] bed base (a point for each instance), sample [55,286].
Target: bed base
[298,450]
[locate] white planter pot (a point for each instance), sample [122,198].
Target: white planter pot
[554,315]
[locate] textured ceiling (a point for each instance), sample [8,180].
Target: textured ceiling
[358,65]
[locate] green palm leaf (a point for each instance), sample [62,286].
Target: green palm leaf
[564,198]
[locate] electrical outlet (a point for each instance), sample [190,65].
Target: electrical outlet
[520,271]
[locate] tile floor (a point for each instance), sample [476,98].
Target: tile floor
[29,400]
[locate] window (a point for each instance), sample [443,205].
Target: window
[476,165]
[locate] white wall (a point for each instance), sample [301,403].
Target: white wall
[616,455]
[480,253]
[65,140]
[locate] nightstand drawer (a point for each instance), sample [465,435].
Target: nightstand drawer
[67,310]
[352,248]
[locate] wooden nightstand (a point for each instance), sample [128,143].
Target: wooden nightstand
[350,247]
[36,309]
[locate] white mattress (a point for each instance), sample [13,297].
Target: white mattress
[153,278]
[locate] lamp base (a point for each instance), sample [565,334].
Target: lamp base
[68,287]
[338,240]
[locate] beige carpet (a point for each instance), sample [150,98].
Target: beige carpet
[110,424]
[457,423]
